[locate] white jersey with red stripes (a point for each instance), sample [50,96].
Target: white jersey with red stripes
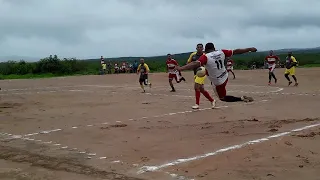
[214,64]
[171,64]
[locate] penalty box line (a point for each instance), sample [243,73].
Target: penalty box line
[145,169]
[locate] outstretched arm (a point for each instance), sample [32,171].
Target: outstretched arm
[245,50]
[190,66]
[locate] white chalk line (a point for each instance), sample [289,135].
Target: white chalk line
[89,155]
[137,119]
[225,149]
[60,89]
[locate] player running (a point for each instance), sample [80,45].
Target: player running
[199,81]
[173,74]
[271,61]
[213,61]
[143,69]
[291,64]
[230,66]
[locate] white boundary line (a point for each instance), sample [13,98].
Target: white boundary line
[104,86]
[142,118]
[225,149]
[60,89]
[58,146]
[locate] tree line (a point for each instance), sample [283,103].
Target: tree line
[70,66]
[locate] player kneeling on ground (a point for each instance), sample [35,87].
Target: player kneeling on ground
[214,61]
[143,69]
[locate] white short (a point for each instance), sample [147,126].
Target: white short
[229,67]
[174,75]
[271,67]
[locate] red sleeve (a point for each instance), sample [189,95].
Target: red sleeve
[175,63]
[266,58]
[203,60]
[277,58]
[227,52]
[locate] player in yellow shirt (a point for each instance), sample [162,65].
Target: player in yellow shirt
[291,64]
[199,81]
[144,70]
[104,67]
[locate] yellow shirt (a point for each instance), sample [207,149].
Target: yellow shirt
[104,66]
[193,57]
[143,69]
[290,61]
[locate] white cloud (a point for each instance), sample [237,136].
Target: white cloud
[90,28]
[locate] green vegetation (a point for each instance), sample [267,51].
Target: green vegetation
[53,66]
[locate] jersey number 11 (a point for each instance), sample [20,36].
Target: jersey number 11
[219,64]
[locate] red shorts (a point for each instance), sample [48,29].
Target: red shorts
[221,89]
[174,76]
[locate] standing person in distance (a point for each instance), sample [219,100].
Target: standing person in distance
[271,61]
[173,74]
[199,81]
[230,63]
[144,70]
[291,64]
[214,61]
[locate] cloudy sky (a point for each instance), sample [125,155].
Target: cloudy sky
[90,28]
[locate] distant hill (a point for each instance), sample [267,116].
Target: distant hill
[179,56]
[185,55]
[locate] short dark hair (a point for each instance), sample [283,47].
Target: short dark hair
[209,46]
[200,44]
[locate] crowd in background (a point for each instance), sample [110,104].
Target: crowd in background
[118,67]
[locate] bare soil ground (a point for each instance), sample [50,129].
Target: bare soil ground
[103,127]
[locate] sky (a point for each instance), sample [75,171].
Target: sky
[118,28]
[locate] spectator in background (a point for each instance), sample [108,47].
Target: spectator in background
[135,66]
[109,67]
[116,68]
[104,68]
[101,60]
[130,68]
[123,67]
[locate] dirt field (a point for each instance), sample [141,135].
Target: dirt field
[103,127]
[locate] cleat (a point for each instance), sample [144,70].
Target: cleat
[269,83]
[296,84]
[173,90]
[213,104]
[195,106]
[275,81]
[290,82]
[150,85]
